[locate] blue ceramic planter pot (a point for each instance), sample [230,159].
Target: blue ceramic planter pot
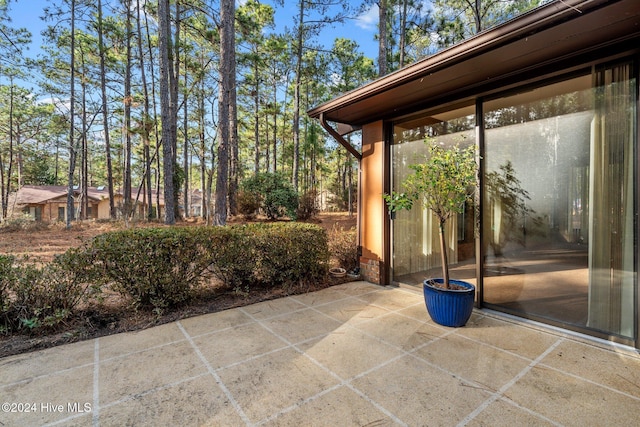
[449,307]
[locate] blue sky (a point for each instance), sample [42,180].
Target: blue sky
[27,13]
[362,28]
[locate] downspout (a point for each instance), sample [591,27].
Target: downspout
[355,153]
[340,139]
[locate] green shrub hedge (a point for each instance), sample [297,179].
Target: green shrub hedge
[231,256]
[36,296]
[155,267]
[343,245]
[158,268]
[285,254]
[7,278]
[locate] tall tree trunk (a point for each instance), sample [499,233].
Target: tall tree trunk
[105,112]
[256,123]
[185,158]
[382,37]
[72,94]
[146,118]
[296,97]
[349,172]
[173,76]
[210,209]
[6,188]
[224,127]
[233,114]
[127,206]
[403,32]
[204,213]
[275,126]
[166,110]
[19,158]
[56,179]
[155,115]
[267,154]
[4,200]
[84,158]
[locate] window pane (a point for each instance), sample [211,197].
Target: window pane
[415,241]
[558,202]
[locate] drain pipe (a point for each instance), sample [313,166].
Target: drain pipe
[339,138]
[351,149]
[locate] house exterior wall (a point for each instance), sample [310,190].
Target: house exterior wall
[48,211]
[103,209]
[372,206]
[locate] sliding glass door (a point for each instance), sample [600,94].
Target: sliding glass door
[559,201]
[414,233]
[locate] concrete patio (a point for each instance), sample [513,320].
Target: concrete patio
[351,355]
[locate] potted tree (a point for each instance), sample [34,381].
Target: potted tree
[442,183]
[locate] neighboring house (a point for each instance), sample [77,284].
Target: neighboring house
[48,203]
[550,101]
[195,203]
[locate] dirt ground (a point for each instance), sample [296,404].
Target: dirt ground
[45,241]
[42,242]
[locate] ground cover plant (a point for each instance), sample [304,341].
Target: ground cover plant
[86,291]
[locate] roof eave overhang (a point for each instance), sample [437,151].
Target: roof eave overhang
[562,20]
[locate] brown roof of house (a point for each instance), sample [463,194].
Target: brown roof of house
[520,49]
[38,194]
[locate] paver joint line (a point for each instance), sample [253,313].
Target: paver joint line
[500,393]
[349,353]
[95,417]
[215,375]
[341,381]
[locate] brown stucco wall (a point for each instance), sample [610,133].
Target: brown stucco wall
[372,206]
[104,209]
